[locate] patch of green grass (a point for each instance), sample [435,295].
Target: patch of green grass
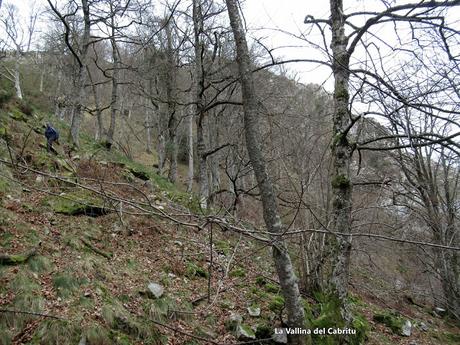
[5,239]
[39,264]
[272,288]
[98,335]
[65,284]
[222,247]
[276,304]
[57,332]
[447,338]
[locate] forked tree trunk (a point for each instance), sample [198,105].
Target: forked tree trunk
[284,268]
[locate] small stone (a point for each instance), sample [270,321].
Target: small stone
[155,290]
[39,179]
[440,311]
[424,327]
[406,329]
[254,311]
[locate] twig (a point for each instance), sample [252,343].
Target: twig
[31,313]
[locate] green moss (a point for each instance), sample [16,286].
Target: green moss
[238,272]
[193,270]
[390,319]
[17,115]
[341,93]
[340,181]
[76,203]
[326,314]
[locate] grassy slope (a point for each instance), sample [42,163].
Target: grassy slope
[95,291]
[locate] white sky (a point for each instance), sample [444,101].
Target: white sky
[265,19]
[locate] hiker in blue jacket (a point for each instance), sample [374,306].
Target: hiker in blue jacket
[52,135]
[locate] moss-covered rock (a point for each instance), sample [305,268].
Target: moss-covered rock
[77,203]
[392,320]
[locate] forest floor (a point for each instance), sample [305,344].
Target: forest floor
[82,234]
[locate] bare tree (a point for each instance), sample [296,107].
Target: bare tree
[19,38]
[80,56]
[284,268]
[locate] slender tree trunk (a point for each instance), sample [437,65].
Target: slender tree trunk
[190,154]
[42,79]
[17,80]
[97,104]
[81,79]
[341,159]
[115,81]
[172,111]
[199,104]
[58,99]
[148,126]
[284,268]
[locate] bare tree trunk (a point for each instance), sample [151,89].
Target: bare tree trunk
[42,79]
[284,268]
[81,79]
[17,80]
[171,99]
[115,76]
[199,113]
[100,125]
[58,99]
[341,156]
[190,154]
[148,126]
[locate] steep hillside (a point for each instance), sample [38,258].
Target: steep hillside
[98,249]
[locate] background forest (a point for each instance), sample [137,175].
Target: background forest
[203,192]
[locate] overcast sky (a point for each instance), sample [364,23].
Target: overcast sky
[266,19]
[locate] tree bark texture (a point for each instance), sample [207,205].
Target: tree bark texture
[341,158]
[284,268]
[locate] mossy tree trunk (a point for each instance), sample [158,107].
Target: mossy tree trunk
[341,159]
[283,264]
